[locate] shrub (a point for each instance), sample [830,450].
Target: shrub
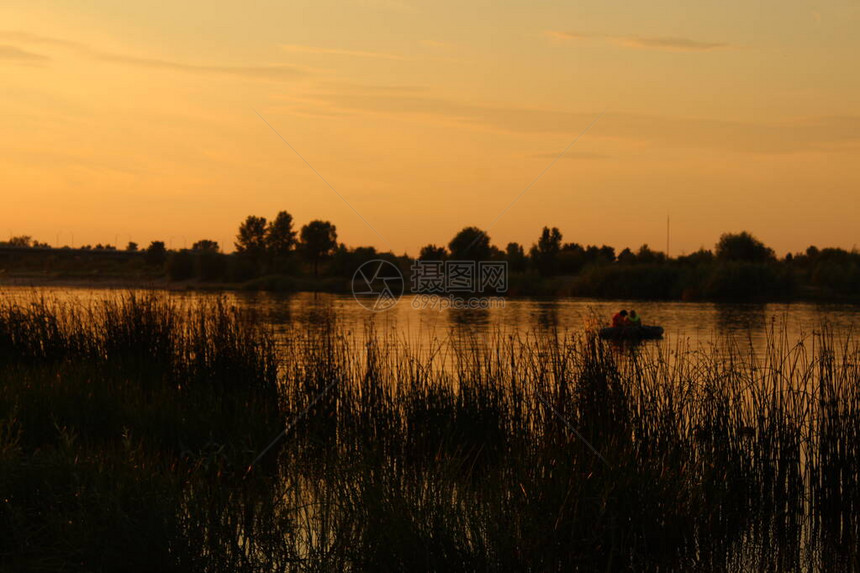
[180,265]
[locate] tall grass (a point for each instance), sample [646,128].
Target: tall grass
[113,415]
[550,452]
[130,424]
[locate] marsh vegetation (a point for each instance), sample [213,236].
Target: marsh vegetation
[129,425]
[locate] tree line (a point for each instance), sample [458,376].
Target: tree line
[274,254]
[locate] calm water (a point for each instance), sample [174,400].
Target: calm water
[693,323]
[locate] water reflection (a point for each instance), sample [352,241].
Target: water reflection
[742,318]
[692,324]
[546,314]
[477,319]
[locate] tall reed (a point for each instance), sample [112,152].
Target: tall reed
[132,423]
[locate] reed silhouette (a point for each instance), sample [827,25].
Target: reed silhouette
[130,424]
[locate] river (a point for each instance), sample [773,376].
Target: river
[691,324]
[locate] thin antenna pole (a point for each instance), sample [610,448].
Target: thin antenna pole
[667,236]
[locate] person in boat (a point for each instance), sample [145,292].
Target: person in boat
[634,319]
[620,319]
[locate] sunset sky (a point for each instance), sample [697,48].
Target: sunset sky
[139,120]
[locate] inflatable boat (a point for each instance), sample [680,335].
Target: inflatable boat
[631,332]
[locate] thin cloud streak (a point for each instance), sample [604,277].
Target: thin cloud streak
[790,136]
[18,55]
[371,88]
[675,44]
[339,52]
[28,38]
[438,44]
[279,71]
[558,35]
[265,72]
[572,155]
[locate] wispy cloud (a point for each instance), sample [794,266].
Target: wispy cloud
[675,44]
[788,136]
[280,71]
[16,54]
[558,35]
[388,5]
[263,72]
[353,87]
[21,37]
[572,155]
[339,52]
[437,44]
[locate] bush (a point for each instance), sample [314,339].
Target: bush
[741,281]
[839,277]
[241,268]
[629,281]
[210,266]
[180,265]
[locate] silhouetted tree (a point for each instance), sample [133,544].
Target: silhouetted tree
[700,257]
[516,257]
[832,254]
[209,264]
[156,254]
[346,261]
[836,270]
[319,239]
[646,256]
[131,247]
[742,247]
[206,246]
[251,239]
[570,259]
[626,256]
[21,241]
[280,236]
[607,253]
[549,241]
[599,255]
[544,253]
[433,253]
[470,244]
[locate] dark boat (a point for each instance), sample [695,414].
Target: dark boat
[631,332]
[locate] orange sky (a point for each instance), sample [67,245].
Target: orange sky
[138,120]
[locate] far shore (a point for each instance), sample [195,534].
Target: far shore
[282,284]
